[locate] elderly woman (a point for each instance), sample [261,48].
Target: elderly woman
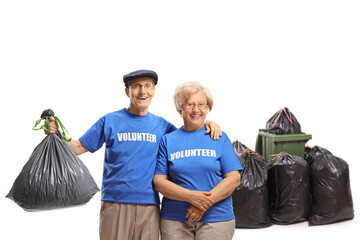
[195,174]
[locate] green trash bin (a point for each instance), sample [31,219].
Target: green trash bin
[268,144]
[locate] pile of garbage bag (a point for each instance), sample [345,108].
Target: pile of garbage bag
[287,188]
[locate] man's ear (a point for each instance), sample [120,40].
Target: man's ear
[127,91]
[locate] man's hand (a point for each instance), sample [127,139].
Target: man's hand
[53,126]
[214,129]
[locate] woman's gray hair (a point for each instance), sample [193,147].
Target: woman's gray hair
[186,90]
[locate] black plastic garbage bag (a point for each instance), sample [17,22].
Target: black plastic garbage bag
[283,122]
[330,188]
[289,190]
[239,147]
[53,177]
[250,198]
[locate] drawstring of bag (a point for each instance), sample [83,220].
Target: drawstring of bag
[275,157]
[248,150]
[237,148]
[46,127]
[278,113]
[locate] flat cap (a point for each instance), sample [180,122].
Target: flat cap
[140,73]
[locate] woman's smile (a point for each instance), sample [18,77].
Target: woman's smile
[195,111]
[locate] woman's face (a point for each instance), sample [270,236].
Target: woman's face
[195,111]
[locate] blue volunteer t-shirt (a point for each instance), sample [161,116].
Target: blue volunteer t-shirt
[132,144]
[196,162]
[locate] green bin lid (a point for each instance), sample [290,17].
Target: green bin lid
[285,137]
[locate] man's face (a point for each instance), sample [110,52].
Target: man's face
[141,91]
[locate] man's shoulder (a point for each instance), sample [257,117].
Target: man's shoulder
[156,116]
[173,135]
[117,112]
[160,119]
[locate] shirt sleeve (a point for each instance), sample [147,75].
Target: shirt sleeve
[162,163]
[229,160]
[170,128]
[94,138]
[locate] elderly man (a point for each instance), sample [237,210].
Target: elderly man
[130,206]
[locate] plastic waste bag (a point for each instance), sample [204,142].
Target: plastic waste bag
[250,198]
[330,187]
[283,122]
[239,147]
[53,177]
[289,189]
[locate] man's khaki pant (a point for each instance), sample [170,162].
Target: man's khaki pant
[176,230]
[121,221]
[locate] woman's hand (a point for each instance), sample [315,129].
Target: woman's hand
[201,200]
[194,214]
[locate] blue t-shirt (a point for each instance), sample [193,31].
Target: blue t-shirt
[196,162]
[132,144]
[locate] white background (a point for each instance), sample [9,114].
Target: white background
[255,56]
